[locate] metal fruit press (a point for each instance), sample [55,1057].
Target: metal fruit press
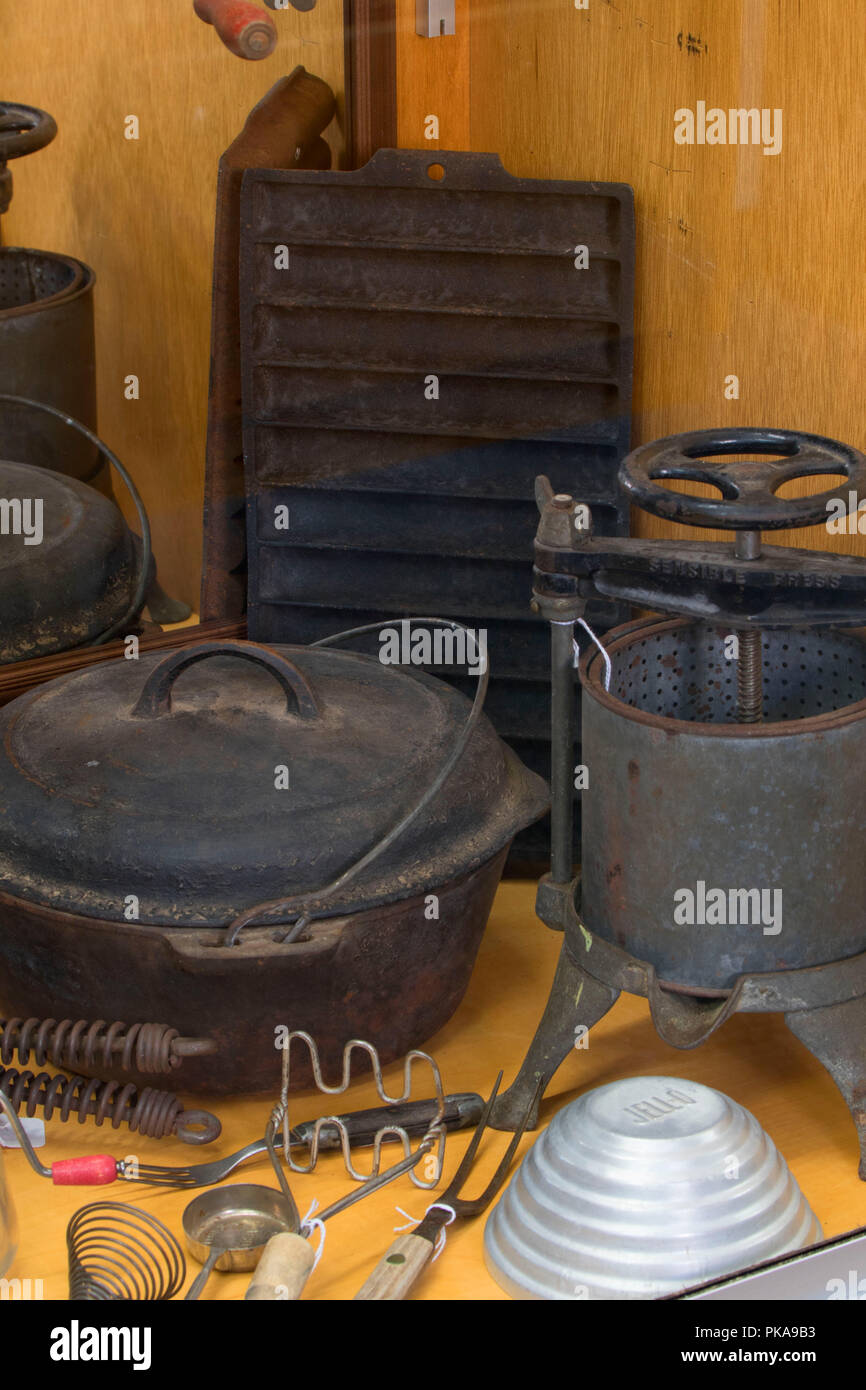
[723,743]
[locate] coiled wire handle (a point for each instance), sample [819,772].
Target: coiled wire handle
[151,1112]
[79,1045]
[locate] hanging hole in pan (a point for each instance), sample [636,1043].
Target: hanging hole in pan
[436,172]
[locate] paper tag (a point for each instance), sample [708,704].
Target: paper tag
[34,1129]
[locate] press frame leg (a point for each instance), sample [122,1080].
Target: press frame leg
[576,999]
[836,1036]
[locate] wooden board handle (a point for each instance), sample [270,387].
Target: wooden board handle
[396,1272]
[283,1269]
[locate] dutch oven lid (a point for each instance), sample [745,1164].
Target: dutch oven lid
[187,788]
[66,562]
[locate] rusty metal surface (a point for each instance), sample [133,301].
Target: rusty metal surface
[400,500]
[21,676]
[47,352]
[774,808]
[391,975]
[78,1043]
[72,586]
[103,774]
[683,794]
[282,131]
[23,130]
[743,585]
[824,1006]
[148,1111]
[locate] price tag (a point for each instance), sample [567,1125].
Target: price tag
[34,1129]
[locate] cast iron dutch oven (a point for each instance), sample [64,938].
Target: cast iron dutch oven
[71,572]
[234,838]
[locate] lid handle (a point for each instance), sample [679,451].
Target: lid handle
[155,698]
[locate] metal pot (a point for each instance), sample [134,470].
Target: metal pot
[65,589]
[47,352]
[691,803]
[71,571]
[145,804]
[47,348]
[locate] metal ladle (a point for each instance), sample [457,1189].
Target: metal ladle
[228,1228]
[235,1227]
[251,1224]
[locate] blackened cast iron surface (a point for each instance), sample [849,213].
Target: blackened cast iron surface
[744,585]
[50,520]
[46,328]
[47,352]
[68,589]
[17,679]
[23,130]
[429,349]
[390,974]
[156,779]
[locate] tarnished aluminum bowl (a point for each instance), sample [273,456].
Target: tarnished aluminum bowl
[642,1188]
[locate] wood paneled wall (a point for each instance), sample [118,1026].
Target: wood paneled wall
[747,264]
[141,211]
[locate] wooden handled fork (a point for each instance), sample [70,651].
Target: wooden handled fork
[398,1270]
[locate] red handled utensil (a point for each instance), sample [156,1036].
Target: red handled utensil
[245,29]
[92,1170]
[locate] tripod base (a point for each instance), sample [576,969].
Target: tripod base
[834,1032]
[836,1036]
[576,1002]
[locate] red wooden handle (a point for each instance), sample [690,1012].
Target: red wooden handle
[246,30]
[93,1171]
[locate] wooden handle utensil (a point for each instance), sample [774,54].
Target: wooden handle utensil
[283,1270]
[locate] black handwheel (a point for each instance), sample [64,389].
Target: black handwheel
[748,487]
[23,130]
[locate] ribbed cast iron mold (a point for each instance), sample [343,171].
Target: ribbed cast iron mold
[407,496]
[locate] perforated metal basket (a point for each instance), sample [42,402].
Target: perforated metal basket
[682,670]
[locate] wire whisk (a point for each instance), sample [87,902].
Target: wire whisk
[117,1252]
[435,1132]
